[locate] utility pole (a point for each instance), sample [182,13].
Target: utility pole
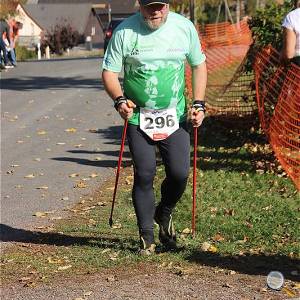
[192,11]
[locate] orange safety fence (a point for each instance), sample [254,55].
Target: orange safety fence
[278,99]
[272,90]
[225,46]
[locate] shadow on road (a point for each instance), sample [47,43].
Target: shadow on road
[101,163]
[10,234]
[48,83]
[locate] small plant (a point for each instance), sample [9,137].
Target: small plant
[23,53]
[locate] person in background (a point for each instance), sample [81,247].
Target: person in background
[14,33]
[291,36]
[4,28]
[153,46]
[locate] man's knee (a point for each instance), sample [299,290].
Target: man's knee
[144,177]
[178,174]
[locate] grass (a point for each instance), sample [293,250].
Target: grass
[247,212]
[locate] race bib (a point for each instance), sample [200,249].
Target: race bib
[158,124]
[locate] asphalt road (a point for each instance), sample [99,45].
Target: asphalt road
[56,121]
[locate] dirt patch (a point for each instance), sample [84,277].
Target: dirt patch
[146,281]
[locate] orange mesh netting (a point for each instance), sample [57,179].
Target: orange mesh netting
[274,90]
[278,98]
[225,46]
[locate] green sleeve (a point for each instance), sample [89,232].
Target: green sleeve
[195,56]
[113,58]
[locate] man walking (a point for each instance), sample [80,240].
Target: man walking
[152,46]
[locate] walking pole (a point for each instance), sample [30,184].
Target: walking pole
[118,172]
[194,182]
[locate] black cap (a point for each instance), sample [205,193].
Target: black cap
[148,2]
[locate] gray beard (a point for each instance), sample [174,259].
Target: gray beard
[153,27]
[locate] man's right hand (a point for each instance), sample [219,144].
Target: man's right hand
[126,109]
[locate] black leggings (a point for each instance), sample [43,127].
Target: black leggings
[175,153]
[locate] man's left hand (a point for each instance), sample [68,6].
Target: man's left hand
[197,117]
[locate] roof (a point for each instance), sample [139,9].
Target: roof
[49,15]
[117,6]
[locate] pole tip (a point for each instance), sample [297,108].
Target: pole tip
[110,222]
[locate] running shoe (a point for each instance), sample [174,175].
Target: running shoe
[146,248]
[167,234]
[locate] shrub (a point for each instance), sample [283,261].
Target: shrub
[266,24]
[23,53]
[266,29]
[61,37]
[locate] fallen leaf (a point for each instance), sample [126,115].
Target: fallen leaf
[40,214]
[218,238]
[74,175]
[229,212]
[42,132]
[186,231]
[60,143]
[53,260]
[111,278]
[37,159]
[25,279]
[80,185]
[227,285]
[78,146]
[30,284]
[289,292]
[71,130]
[296,286]
[117,226]
[92,222]
[42,188]
[29,176]
[93,175]
[65,198]
[62,268]
[205,246]
[212,249]
[98,158]
[105,250]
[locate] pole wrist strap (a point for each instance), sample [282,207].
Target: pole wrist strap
[118,101]
[199,105]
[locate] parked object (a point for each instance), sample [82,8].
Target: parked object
[110,29]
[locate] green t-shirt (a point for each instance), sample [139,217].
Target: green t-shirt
[154,61]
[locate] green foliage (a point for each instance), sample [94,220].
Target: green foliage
[61,37]
[23,53]
[266,24]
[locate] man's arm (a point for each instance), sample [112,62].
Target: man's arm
[113,88]
[289,44]
[199,74]
[112,84]
[199,81]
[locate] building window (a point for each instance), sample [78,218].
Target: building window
[93,30]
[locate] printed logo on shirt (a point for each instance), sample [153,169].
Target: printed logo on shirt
[175,50]
[134,52]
